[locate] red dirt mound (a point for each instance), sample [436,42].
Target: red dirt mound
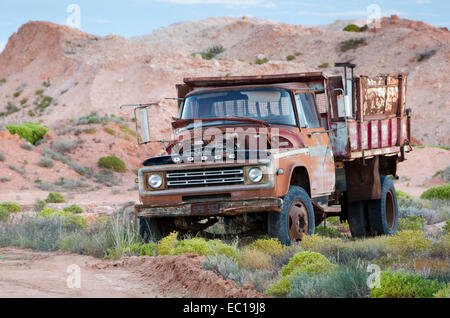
[184,272]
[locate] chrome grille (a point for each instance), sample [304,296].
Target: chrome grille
[205,177]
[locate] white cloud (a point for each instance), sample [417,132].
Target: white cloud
[230,3]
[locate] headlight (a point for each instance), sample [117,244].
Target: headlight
[155,181]
[255,174]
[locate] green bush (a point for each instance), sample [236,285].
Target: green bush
[407,243]
[446,227]
[32,132]
[348,281]
[271,246]
[11,206]
[4,214]
[109,130]
[55,197]
[351,28]
[113,163]
[46,162]
[438,192]
[405,285]
[352,44]
[261,61]
[168,244]
[74,208]
[443,293]
[327,231]
[323,65]
[310,263]
[194,245]
[411,222]
[69,219]
[290,57]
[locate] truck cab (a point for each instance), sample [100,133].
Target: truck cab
[277,153]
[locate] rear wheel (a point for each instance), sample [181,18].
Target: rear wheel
[383,213]
[155,228]
[357,219]
[296,218]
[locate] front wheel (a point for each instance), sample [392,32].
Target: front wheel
[383,213]
[296,218]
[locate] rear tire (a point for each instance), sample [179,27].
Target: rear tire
[383,213]
[357,219]
[296,218]
[154,229]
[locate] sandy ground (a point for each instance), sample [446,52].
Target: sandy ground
[27,273]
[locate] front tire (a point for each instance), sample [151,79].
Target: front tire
[296,218]
[383,213]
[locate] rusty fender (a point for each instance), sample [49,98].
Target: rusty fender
[224,208]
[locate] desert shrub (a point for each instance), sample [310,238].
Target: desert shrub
[90,130]
[441,247]
[351,28]
[438,192]
[2,156]
[401,194]
[349,281]
[39,233]
[443,292]
[32,132]
[107,178]
[55,197]
[64,145]
[261,61]
[70,220]
[11,207]
[228,268]
[4,214]
[168,244]
[446,227]
[45,102]
[212,52]
[321,244]
[255,259]
[405,285]
[69,184]
[4,179]
[92,118]
[2,80]
[39,205]
[220,248]
[324,65]
[407,243]
[74,208]
[113,163]
[46,162]
[27,146]
[310,263]
[426,55]
[194,245]
[352,44]
[430,216]
[109,130]
[290,57]
[84,171]
[270,246]
[411,222]
[327,231]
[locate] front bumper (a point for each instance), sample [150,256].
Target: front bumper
[222,208]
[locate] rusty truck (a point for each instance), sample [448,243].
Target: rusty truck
[279,153]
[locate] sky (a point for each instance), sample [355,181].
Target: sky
[136,17]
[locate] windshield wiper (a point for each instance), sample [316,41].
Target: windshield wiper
[181,122]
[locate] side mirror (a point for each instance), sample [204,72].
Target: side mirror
[145,128]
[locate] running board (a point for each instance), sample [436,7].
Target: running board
[328,210]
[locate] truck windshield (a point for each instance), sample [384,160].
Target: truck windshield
[272,105]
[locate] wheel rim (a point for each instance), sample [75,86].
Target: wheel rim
[298,222]
[390,210]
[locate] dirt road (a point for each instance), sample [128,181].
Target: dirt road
[27,273]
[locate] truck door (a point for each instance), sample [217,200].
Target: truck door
[315,138]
